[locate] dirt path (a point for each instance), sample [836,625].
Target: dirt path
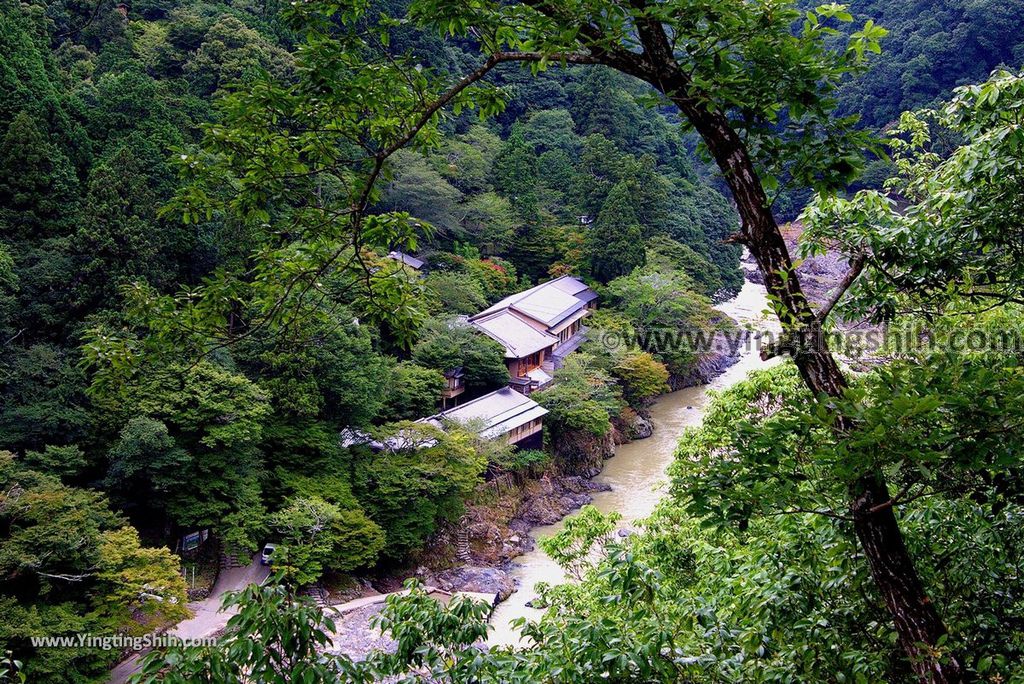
[207,617]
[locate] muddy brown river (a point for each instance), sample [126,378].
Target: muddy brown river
[636,474]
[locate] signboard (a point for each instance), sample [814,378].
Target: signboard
[191,541]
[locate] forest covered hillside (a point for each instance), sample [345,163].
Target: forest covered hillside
[197,206]
[100,101]
[931,48]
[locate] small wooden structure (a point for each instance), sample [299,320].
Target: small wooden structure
[455,380]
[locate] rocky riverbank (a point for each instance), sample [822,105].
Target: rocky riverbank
[856,342]
[818,274]
[481,553]
[498,526]
[724,352]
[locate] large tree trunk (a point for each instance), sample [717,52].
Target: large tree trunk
[917,622]
[916,619]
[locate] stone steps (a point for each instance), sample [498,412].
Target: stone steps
[318,594]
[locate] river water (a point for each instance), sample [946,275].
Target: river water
[636,474]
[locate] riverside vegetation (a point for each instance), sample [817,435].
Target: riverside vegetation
[197,201]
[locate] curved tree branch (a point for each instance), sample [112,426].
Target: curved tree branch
[856,267]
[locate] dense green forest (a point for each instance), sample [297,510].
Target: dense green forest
[931,48]
[196,204]
[100,102]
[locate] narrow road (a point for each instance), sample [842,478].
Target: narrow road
[207,617]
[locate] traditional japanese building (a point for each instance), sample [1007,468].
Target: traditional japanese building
[503,414]
[538,328]
[455,384]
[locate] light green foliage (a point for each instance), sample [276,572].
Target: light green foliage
[316,535]
[485,280]
[233,54]
[938,428]
[278,637]
[133,578]
[40,513]
[211,406]
[465,160]
[747,419]
[584,535]
[583,398]
[643,377]
[679,603]
[496,276]
[438,641]
[416,187]
[490,222]
[571,247]
[551,130]
[524,462]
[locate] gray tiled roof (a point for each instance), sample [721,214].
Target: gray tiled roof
[517,336]
[501,412]
[548,303]
[406,259]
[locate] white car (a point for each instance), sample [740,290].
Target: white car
[267,556]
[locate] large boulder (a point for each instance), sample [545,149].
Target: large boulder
[556,497]
[476,579]
[631,424]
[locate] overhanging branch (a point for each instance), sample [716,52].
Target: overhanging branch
[472,77]
[856,266]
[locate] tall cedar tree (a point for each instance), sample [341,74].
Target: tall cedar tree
[615,241]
